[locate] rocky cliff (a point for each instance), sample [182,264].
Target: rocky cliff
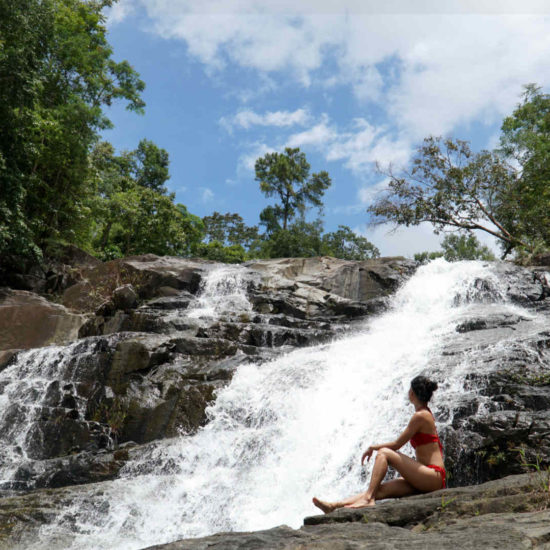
[142,345]
[140,368]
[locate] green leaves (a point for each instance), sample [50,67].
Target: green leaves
[56,74]
[286,176]
[505,192]
[347,245]
[449,186]
[131,210]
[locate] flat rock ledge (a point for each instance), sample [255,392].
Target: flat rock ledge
[510,513]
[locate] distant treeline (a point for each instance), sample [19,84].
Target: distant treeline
[61,184]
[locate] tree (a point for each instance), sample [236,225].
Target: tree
[456,247]
[149,165]
[214,250]
[56,74]
[346,244]
[300,240]
[286,175]
[464,247]
[525,138]
[449,186]
[425,257]
[132,216]
[229,228]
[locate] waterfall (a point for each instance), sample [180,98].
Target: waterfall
[284,431]
[222,291]
[31,389]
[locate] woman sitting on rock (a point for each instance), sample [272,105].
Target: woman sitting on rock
[423,475]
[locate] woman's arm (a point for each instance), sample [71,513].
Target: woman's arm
[408,432]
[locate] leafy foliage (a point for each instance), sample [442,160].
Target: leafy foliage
[300,240]
[505,192]
[525,138]
[229,229]
[464,247]
[346,244]
[214,250]
[456,247]
[56,74]
[425,257]
[132,212]
[286,175]
[450,186]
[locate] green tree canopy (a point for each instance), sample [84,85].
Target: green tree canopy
[464,247]
[56,75]
[450,187]
[300,240]
[455,247]
[133,216]
[286,176]
[229,228]
[525,206]
[346,244]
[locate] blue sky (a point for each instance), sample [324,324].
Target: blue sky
[349,82]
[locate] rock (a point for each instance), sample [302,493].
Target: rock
[490,321]
[125,297]
[147,274]
[506,515]
[352,280]
[6,356]
[75,469]
[541,259]
[29,321]
[522,285]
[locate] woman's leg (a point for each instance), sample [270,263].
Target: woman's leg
[390,489]
[328,507]
[417,476]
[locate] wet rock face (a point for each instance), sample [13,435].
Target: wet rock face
[30,321]
[149,276]
[502,424]
[507,514]
[145,368]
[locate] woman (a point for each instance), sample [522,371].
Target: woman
[425,474]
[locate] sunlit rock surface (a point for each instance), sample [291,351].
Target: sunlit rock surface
[209,398]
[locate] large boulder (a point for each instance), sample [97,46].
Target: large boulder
[506,514]
[30,321]
[353,280]
[150,276]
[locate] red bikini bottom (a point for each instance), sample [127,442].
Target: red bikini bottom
[441,471]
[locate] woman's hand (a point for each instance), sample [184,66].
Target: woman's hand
[367,454]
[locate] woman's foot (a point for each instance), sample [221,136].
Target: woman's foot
[327,507]
[361,503]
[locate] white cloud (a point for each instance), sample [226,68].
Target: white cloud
[407,241]
[248,160]
[358,146]
[248,118]
[207,194]
[404,241]
[120,11]
[449,62]
[428,66]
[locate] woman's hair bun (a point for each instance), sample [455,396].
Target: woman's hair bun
[423,388]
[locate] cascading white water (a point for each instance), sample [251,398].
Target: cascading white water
[27,388]
[222,291]
[283,431]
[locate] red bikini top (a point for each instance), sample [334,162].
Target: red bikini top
[420,438]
